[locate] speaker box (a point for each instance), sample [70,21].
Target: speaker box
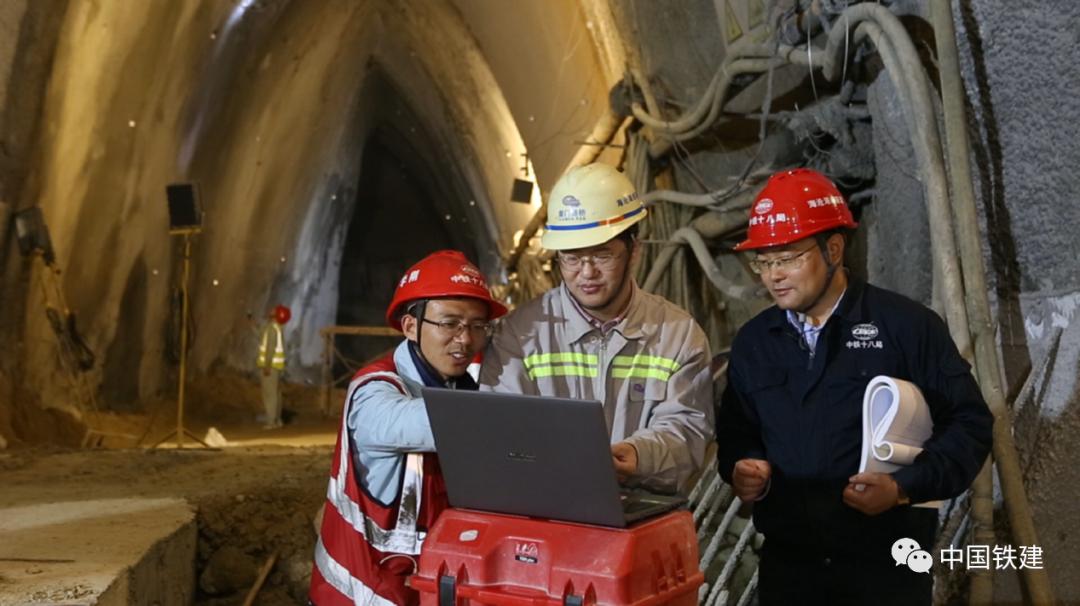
[522,191]
[184,211]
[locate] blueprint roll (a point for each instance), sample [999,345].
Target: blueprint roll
[896,424]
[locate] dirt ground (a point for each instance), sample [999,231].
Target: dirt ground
[255,496]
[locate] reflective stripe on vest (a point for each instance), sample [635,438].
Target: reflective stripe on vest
[338,577]
[341,575]
[403,537]
[278,360]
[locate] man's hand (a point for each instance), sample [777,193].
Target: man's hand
[750,478]
[872,493]
[625,456]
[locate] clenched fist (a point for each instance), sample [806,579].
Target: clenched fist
[750,478]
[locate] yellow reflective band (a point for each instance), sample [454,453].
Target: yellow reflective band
[563,371]
[552,358]
[640,372]
[645,360]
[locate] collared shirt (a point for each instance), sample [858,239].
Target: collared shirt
[806,328]
[601,325]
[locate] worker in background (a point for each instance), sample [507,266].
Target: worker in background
[789,427]
[386,489]
[598,336]
[271,360]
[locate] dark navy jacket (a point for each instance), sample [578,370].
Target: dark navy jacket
[803,414]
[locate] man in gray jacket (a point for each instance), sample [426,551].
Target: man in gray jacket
[598,336]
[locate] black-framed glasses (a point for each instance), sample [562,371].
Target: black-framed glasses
[452,329]
[787,263]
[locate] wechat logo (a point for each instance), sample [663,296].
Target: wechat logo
[907,552]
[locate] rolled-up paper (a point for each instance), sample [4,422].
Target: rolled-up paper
[896,424]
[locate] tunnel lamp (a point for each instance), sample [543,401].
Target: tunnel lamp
[521,191]
[185,219]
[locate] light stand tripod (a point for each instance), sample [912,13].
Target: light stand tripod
[180,431]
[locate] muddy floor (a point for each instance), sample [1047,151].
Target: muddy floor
[256,495]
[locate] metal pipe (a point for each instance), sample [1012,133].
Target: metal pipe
[1036,580]
[602,134]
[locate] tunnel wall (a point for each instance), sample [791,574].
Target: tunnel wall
[262,105]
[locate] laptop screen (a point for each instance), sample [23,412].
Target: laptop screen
[526,455]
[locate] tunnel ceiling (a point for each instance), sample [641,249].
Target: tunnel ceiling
[269,107]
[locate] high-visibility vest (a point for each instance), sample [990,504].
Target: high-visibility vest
[277,359]
[366,549]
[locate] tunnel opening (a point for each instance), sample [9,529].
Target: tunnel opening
[410,202]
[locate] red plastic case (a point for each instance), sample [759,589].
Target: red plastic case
[471,557]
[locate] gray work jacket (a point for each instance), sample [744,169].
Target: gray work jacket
[651,371]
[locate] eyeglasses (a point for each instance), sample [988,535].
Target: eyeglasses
[452,329]
[788,263]
[604,259]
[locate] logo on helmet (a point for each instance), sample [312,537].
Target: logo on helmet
[469,269]
[763,206]
[571,201]
[864,332]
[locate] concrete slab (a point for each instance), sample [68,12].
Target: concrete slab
[107,552]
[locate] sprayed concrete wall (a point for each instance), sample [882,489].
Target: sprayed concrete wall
[264,105]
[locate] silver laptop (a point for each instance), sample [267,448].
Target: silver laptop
[533,456]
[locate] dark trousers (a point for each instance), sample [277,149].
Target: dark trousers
[790,575]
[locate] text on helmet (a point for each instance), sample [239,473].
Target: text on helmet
[623,201]
[771,219]
[826,201]
[571,214]
[411,276]
[474,280]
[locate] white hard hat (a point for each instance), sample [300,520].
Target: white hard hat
[590,205]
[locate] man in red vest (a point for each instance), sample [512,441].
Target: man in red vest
[386,489]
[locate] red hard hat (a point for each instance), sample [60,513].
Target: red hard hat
[793,205]
[446,273]
[282,314]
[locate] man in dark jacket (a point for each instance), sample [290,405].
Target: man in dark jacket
[789,427]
